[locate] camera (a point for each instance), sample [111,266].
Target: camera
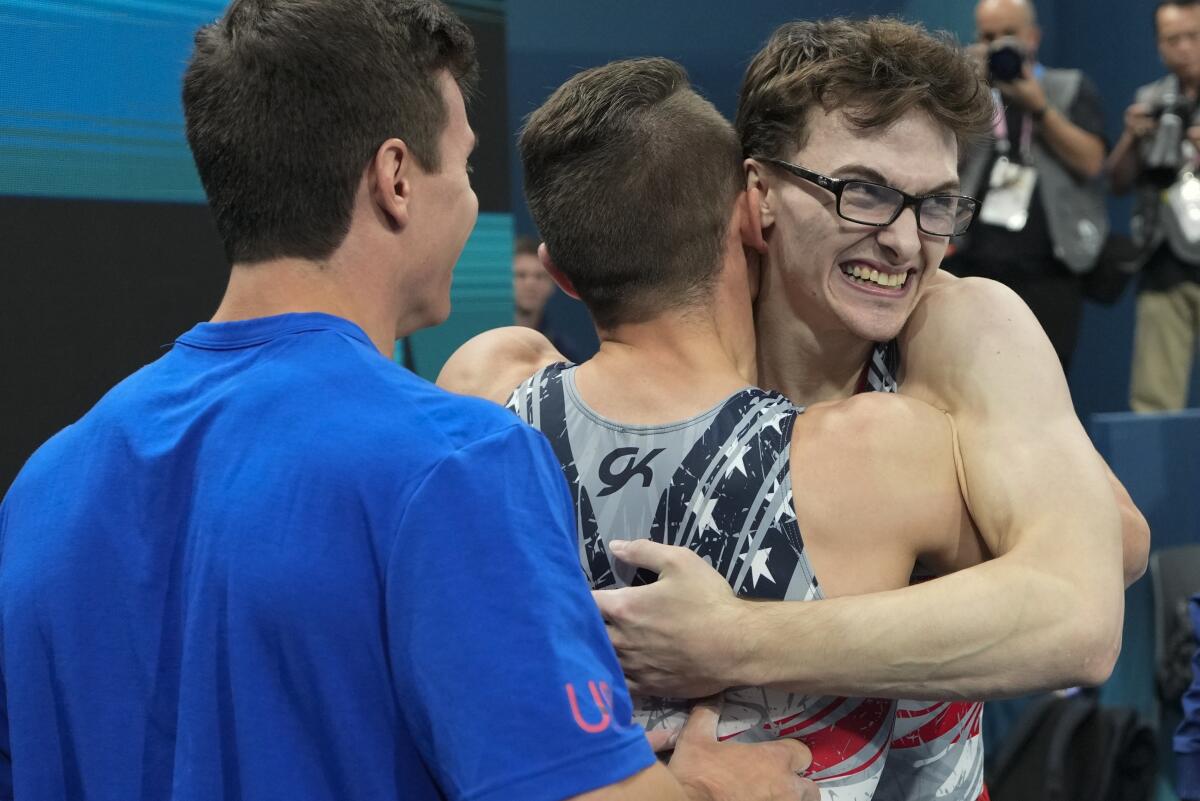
[1163,156]
[1006,59]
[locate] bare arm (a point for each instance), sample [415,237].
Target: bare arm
[1045,613]
[1124,162]
[703,769]
[492,364]
[1082,152]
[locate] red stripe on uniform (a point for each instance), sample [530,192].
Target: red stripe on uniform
[847,738]
[942,724]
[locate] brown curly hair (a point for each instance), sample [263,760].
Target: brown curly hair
[874,70]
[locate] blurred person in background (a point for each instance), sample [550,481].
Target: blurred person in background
[1043,220]
[532,285]
[1156,156]
[534,292]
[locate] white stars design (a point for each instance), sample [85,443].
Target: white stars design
[703,509]
[736,454]
[758,566]
[775,422]
[785,507]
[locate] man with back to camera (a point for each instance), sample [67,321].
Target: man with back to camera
[647,451]
[262,566]
[1035,617]
[1155,155]
[1044,219]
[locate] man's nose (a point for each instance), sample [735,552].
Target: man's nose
[902,238]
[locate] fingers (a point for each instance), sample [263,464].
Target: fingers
[702,723]
[807,791]
[609,602]
[662,739]
[645,553]
[795,752]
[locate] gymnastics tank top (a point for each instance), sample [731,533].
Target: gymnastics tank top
[937,747]
[718,483]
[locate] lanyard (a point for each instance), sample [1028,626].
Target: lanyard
[1000,129]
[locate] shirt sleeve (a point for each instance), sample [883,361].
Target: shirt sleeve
[502,668]
[1087,110]
[1187,736]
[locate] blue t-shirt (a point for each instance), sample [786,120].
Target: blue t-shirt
[274,565]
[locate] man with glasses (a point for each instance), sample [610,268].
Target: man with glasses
[851,301]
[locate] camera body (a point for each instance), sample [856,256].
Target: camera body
[1163,156]
[1006,59]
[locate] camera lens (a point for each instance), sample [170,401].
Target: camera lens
[1004,63]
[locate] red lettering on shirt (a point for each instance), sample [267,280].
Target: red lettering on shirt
[602,697]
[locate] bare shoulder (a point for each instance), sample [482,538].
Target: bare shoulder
[965,308]
[492,364]
[971,343]
[873,425]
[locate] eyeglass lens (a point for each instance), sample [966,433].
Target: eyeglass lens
[874,204]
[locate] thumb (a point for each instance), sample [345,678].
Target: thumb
[643,553]
[701,726]
[797,756]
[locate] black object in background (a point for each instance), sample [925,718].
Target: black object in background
[91,291]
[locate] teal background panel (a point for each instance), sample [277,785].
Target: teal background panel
[481,297]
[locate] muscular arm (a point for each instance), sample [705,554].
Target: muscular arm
[1045,613]
[1048,610]
[492,364]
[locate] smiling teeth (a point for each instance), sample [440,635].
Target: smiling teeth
[864,275]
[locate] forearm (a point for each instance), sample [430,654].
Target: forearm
[1122,164]
[1081,151]
[1004,628]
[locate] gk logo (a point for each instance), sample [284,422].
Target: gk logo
[615,481]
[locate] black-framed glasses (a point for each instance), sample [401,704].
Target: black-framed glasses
[868,203]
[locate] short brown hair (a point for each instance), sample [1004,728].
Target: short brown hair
[631,177]
[286,102]
[875,70]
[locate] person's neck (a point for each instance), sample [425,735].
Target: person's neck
[289,285]
[667,369]
[803,363]
[528,318]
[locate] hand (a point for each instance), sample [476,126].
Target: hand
[1025,91]
[1138,121]
[713,771]
[1193,135]
[678,636]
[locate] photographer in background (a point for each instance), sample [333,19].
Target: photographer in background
[1043,221]
[1157,155]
